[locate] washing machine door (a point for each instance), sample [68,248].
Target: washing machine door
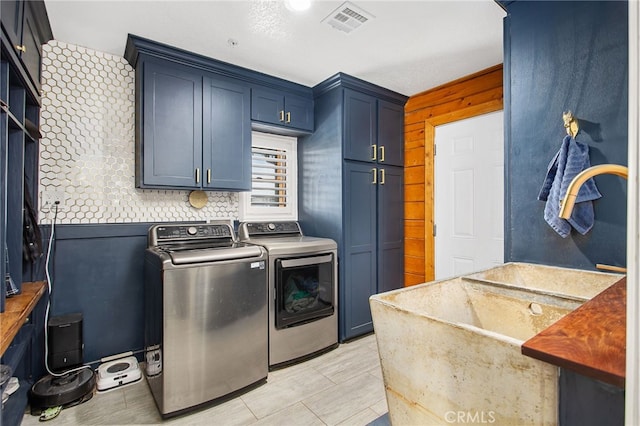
[304,289]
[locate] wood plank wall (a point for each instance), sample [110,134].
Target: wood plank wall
[476,94]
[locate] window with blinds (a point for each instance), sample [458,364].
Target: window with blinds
[273,179]
[269,177]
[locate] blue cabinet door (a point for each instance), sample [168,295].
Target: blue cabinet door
[226,135]
[299,112]
[14,204]
[27,30]
[267,106]
[360,248]
[390,228]
[11,15]
[374,129]
[32,41]
[172,126]
[390,133]
[282,109]
[360,123]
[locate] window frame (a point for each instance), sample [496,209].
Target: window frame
[247,211]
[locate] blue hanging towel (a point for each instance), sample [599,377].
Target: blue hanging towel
[571,159]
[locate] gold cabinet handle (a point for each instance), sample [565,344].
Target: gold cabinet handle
[381,176]
[288,120]
[374,171]
[382,153]
[282,115]
[22,48]
[197,175]
[208,175]
[374,155]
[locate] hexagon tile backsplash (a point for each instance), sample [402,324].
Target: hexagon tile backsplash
[88,142]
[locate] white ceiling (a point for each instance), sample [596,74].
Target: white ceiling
[409,46]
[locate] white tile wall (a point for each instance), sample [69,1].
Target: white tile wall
[87,148]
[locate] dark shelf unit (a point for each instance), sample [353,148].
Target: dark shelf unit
[24,29]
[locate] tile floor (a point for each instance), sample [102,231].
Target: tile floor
[341,387]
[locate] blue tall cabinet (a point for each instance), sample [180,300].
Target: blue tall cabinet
[351,190]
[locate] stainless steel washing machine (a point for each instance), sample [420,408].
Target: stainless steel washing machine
[206,315]
[303,290]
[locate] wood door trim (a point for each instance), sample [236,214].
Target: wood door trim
[465,97]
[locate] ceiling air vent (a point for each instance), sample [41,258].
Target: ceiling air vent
[347,18]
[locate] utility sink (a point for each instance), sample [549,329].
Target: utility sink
[450,350]
[542,279]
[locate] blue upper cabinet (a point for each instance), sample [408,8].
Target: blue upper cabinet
[390,133]
[195,131]
[169,146]
[375,130]
[227,135]
[360,137]
[282,109]
[194,117]
[33,37]
[27,28]
[11,12]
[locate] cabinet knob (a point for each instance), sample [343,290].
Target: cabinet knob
[374,152]
[198,175]
[208,175]
[374,172]
[282,115]
[288,120]
[381,176]
[382,153]
[22,48]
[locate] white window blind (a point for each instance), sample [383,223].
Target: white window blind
[273,179]
[269,177]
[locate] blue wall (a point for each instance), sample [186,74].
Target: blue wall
[563,56]
[98,270]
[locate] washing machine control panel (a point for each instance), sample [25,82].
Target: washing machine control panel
[181,232]
[266,228]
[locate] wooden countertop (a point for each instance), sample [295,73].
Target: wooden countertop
[590,340]
[16,310]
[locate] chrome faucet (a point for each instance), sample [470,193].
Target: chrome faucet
[569,200]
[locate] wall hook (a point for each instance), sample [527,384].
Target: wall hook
[570,123]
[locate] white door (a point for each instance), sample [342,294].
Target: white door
[469,195]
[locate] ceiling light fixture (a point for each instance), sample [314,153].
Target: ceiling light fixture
[297,5]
